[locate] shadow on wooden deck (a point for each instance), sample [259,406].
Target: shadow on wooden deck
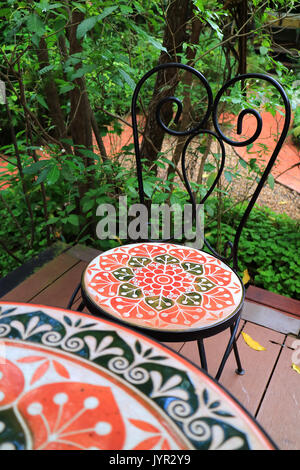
[270,389]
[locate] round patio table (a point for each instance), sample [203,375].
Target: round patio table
[71,381]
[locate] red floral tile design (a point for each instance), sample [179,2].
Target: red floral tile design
[163,286]
[71,381]
[63,404]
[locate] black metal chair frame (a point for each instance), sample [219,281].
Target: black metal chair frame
[212,110]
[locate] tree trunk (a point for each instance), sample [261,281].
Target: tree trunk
[187,79]
[175,34]
[80,113]
[241,19]
[51,93]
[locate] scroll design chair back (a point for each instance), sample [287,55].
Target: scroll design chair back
[170,291]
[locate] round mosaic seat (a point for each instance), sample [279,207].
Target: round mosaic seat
[163,287]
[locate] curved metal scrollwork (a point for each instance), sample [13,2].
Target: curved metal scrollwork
[250,140]
[159,106]
[199,129]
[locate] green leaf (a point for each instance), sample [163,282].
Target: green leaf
[263,50]
[205,396]
[149,38]
[52,220]
[296,131]
[228,176]
[127,79]
[243,163]
[43,175]
[46,69]
[35,25]
[42,101]
[65,88]
[45,6]
[138,347]
[5,12]
[107,11]
[209,167]
[156,43]
[88,24]
[216,28]
[73,219]
[211,179]
[82,71]
[199,5]
[271,181]
[35,167]
[85,26]
[166,160]
[87,205]
[148,188]
[53,175]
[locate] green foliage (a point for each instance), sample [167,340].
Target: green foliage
[268,248]
[296,127]
[117,43]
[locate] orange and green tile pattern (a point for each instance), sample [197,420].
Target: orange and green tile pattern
[71,381]
[163,286]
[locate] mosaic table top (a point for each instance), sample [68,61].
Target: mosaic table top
[163,286]
[71,381]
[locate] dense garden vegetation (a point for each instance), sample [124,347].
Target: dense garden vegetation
[69,69]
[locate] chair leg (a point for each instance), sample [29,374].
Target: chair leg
[81,307]
[239,370]
[231,344]
[71,301]
[202,354]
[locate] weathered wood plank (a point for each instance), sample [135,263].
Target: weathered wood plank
[59,292]
[270,299]
[20,274]
[258,365]
[41,279]
[271,318]
[279,413]
[175,346]
[84,253]
[214,348]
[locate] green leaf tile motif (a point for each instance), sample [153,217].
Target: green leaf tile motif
[193,268]
[202,284]
[139,261]
[191,299]
[123,274]
[159,303]
[130,290]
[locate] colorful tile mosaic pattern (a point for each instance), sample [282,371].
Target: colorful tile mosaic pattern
[163,286]
[70,381]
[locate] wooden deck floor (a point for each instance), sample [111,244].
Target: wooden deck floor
[270,388]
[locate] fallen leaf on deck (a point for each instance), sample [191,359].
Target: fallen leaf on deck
[253,344]
[246,277]
[296,368]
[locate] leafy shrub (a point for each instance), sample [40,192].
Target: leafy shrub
[268,249]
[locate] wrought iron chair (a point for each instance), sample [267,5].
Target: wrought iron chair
[167,290]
